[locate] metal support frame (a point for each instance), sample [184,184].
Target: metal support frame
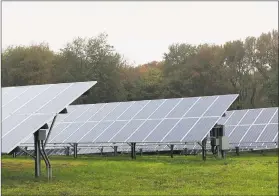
[101,150]
[49,131]
[171,150]
[67,151]
[26,152]
[133,150]
[204,149]
[48,165]
[115,150]
[37,155]
[223,154]
[140,151]
[237,150]
[14,152]
[75,150]
[185,151]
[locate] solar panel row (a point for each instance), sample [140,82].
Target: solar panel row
[164,120]
[26,109]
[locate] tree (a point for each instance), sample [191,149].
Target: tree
[27,65]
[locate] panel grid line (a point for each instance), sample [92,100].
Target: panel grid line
[266,125]
[199,118]
[16,97]
[167,115]
[26,102]
[81,124]
[178,121]
[238,123]
[146,119]
[251,125]
[69,124]
[131,120]
[114,121]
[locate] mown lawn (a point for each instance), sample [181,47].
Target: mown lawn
[148,175]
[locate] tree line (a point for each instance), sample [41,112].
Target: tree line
[248,67]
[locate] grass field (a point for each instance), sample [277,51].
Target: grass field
[148,175]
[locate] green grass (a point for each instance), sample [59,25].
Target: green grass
[148,175]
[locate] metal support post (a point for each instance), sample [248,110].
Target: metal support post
[37,155]
[115,150]
[223,153]
[133,150]
[25,148]
[75,150]
[14,154]
[140,151]
[171,150]
[102,150]
[67,151]
[237,150]
[204,149]
[185,151]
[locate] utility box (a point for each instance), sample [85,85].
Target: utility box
[41,134]
[224,143]
[215,141]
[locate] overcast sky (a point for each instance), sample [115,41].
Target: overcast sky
[141,31]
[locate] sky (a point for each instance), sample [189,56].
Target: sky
[140,31]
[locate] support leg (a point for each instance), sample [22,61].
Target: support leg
[67,151]
[140,151]
[75,150]
[102,150]
[204,149]
[37,155]
[133,150]
[185,151]
[25,150]
[237,150]
[115,150]
[171,150]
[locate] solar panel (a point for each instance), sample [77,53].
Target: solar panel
[258,126]
[26,109]
[163,120]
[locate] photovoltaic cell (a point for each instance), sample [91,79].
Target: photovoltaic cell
[237,133]
[182,107]
[266,115]
[201,106]
[200,130]
[106,135]
[165,108]
[161,130]
[122,107]
[86,127]
[136,107]
[149,109]
[178,131]
[250,117]
[90,113]
[143,131]
[95,132]
[127,131]
[236,117]
[103,112]
[269,133]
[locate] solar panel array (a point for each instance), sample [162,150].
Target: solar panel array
[252,127]
[163,120]
[26,109]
